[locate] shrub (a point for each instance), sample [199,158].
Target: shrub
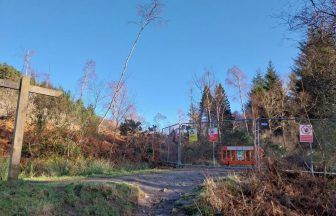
[4,162]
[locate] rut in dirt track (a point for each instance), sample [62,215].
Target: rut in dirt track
[164,188]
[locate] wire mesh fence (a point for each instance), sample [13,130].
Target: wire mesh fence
[286,139]
[192,144]
[169,147]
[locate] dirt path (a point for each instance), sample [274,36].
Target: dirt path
[163,189]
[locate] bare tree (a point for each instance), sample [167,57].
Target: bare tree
[123,107]
[220,108]
[148,13]
[89,73]
[26,62]
[45,77]
[206,84]
[181,116]
[158,120]
[311,14]
[97,94]
[237,79]
[207,79]
[193,112]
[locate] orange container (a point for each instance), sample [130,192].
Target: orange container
[238,155]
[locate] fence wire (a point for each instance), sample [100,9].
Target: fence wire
[277,138]
[280,139]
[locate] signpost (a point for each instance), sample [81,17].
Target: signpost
[213,137]
[24,89]
[306,133]
[192,135]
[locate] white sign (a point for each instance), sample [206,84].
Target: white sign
[306,133]
[240,155]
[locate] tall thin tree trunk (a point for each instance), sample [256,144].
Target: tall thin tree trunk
[242,105]
[123,73]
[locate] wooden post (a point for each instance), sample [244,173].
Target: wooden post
[22,105]
[24,88]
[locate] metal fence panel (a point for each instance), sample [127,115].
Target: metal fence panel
[277,137]
[280,140]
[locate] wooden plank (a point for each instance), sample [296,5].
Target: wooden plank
[45,91]
[9,84]
[22,106]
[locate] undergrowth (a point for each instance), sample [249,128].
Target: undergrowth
[268,192]
[58,167]
[27,198]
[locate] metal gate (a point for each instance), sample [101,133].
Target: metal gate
[277,138]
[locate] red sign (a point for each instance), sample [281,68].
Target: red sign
[306,133]
[213,135]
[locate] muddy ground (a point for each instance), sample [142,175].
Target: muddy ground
[163,189]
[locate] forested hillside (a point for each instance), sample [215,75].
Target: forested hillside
[64,128]
[243,142]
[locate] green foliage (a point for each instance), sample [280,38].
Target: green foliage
[266,94]
[324,149]
[25,198]
[271,76]
[214,107]
[4,164]
[258,83]
[9,72]
[206,104]
[222,103]
[315,75]
[237,137]
[129,126]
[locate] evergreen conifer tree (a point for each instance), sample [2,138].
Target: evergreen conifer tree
[315,74]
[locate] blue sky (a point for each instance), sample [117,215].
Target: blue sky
[199,35]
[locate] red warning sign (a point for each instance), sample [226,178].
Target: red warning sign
[306,133]
[213,135]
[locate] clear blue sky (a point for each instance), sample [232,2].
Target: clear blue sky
[216,34]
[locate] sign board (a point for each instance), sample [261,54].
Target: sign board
[192,135]
[213,135]
[264,124]
[240,155]
[306,133]
[238,148]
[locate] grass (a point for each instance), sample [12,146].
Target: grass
[64,198]
[55,186]
[58,168]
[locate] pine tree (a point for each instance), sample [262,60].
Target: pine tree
[221,101]
[271,76]
[258,83]
[206,105]
[228,112]
[258,88]
[315,75]
[222,110]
